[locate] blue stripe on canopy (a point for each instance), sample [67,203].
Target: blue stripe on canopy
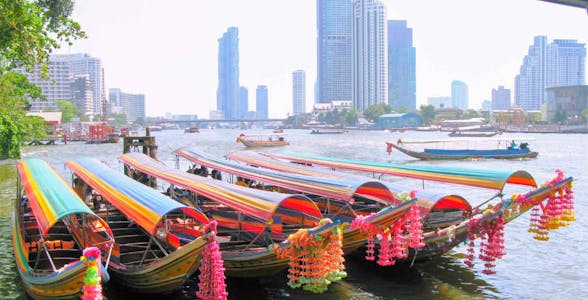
[51,198]
[137,201]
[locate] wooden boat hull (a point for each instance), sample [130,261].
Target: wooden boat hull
[441,241]
[466,154]
[255,143]
[66,283]
[163,276]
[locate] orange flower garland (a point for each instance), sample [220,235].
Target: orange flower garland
[315,261]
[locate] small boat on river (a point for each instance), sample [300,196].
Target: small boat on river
[327,131]
[192,130]
[262,140]
[47,254]
[253,225]
[463,149]
[158,242]
[470,134]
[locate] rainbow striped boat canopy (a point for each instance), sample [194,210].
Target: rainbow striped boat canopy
[426,198]
[51,198]
[490,179]
[144,205]
[253,202]
[341,188]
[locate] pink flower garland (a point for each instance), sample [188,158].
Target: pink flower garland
[394,242]
[212,277]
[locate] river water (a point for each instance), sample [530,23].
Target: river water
[530,270]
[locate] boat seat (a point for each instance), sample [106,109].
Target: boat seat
[132,238]
[35,236]
[35,246]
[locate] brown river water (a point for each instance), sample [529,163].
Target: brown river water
[530,270]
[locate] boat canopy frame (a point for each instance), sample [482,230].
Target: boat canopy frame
[490,179]
[338,188]
[52,200]
[255,204]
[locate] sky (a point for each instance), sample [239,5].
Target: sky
[167,50]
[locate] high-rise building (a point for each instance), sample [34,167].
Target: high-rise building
[401,66]
[82,95]
[561,63]
[227,94]
[73,78]
[243,102]
[132,105]
[459,94]
[334,47]
[369,54]
[261,102]
[530,82]
[84,64]
[566,63]
[56,87]
[500,98]
[298,92]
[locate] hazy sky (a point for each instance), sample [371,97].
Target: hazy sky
[168,50]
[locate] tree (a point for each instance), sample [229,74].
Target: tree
[15,126]
[376,110]
[428,113]
[118,120]
[351,117]
[29,31]
[67,109]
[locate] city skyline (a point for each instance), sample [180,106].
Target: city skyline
[173,60]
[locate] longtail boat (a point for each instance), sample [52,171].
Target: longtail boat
[262,140]
[345,199]
[551,203]
[460,152]
[253,224]
[47,255]
[158,241]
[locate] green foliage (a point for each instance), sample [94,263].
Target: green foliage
[118,120]
[67,109]
[351,117]
[428,113]
[376,110]
[141,122]
[30,30]
[15,126]
[298,120]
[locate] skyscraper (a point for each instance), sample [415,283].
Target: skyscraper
[561,63]
[298,92]
[132,105]
[369,54]
[459,94]
[565,63]
[500,98]
[530,82]
[243,102]
[334,44]
[83,64]
[227,94]
[401,66]
[261,102]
